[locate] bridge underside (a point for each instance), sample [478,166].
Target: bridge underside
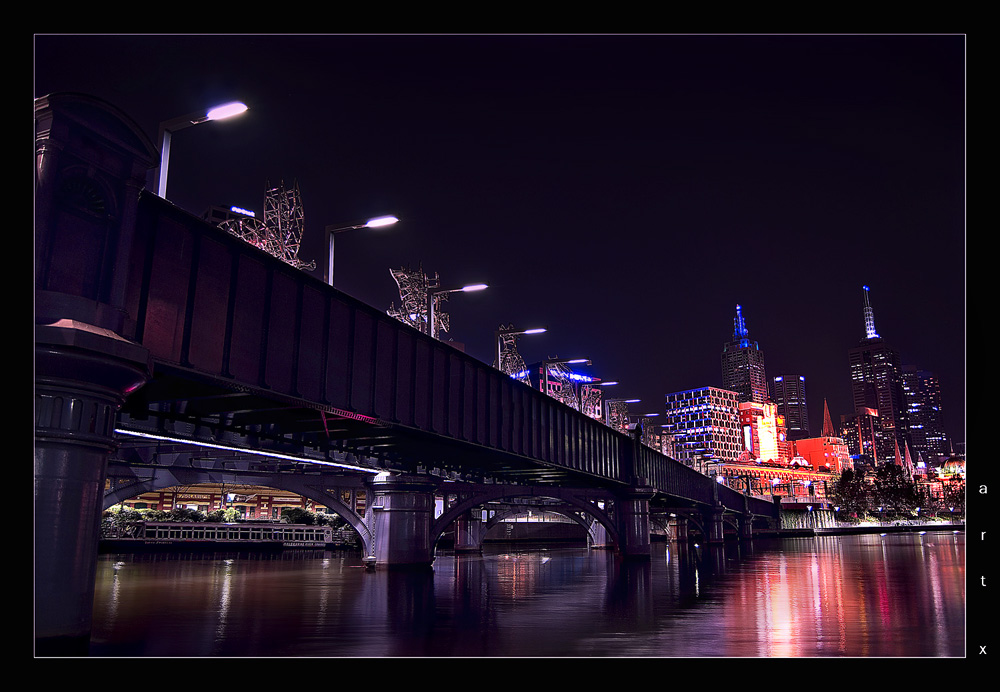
[183,404]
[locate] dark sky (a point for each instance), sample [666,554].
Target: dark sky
[625,191]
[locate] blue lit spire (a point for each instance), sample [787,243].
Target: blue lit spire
[870,332]
[740,333]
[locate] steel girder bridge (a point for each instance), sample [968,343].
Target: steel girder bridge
[156,328]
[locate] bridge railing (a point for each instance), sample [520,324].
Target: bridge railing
[672,477]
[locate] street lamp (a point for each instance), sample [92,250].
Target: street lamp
[510,331]
[168,127]
[431,293]
[377,222]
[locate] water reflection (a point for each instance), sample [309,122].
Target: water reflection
[893,595]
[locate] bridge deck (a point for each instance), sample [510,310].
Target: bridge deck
[250,349]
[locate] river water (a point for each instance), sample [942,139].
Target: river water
[894,595]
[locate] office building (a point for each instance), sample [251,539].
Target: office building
[876,383]
[925,415]
[743,364]
[705,426]
[865,439]
[788,392]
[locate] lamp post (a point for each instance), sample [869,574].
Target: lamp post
[510,331]
[168,127]
[377,222]
[431,293]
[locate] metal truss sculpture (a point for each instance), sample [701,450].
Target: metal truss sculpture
[414,287]
[590,400]
[618,415]
[280,232]
[561,386]
[511,361]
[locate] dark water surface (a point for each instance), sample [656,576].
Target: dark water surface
[858,596]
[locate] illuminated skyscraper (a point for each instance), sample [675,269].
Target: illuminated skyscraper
[877,383]
[925,419]
[788,392]
[863,434]
[743,364]
[705,426]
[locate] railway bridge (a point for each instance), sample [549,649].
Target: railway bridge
[165,345]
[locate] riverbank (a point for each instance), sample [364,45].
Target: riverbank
[854,529]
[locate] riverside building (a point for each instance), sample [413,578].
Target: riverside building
[704,425]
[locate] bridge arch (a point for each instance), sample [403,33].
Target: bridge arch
[572,499]
[501,515]
[167,478]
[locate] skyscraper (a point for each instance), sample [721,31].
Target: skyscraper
[743,364]
[788,392]
[705,426]
[925,418]
[876,383]
[863,434]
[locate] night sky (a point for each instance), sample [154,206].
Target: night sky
[625,191]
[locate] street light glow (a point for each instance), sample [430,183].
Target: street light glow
[473,287]
[380,221]
[539,330]
[226,110]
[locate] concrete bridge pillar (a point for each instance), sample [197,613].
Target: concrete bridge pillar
[633,522]
[468,530]
[402,512]
[91,164]
[746,527]
[680,526]
[81,380]
[714,526]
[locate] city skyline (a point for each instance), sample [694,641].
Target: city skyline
[627,192]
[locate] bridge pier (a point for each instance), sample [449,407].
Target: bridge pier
[81,378]
[633,522]
[91,163]
[681,531]
[468,532]
[402,512]
[714,525]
